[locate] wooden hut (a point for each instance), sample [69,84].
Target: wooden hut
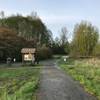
[28,54]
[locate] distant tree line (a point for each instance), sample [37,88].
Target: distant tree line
[17,31]
[85,41]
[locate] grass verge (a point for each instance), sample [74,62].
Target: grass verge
[86,72]
[19,83]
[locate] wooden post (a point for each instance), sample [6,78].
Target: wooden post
[23,58]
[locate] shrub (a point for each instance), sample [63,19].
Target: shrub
[44,53]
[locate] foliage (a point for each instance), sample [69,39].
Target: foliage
[96,51]
[27,27]
[18,83]
[10,44]
[44,52]
[86,71]
[84,40]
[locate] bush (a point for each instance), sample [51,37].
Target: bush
[44,53]
[96,51]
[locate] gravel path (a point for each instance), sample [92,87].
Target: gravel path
[56,85]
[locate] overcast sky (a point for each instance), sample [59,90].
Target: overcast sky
[56,13]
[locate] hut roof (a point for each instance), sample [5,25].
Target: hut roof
[28,50]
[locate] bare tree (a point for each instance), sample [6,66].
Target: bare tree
[63,37]
[2,14]
[34,15]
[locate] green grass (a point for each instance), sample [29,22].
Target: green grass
[19,83]
[87,72]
